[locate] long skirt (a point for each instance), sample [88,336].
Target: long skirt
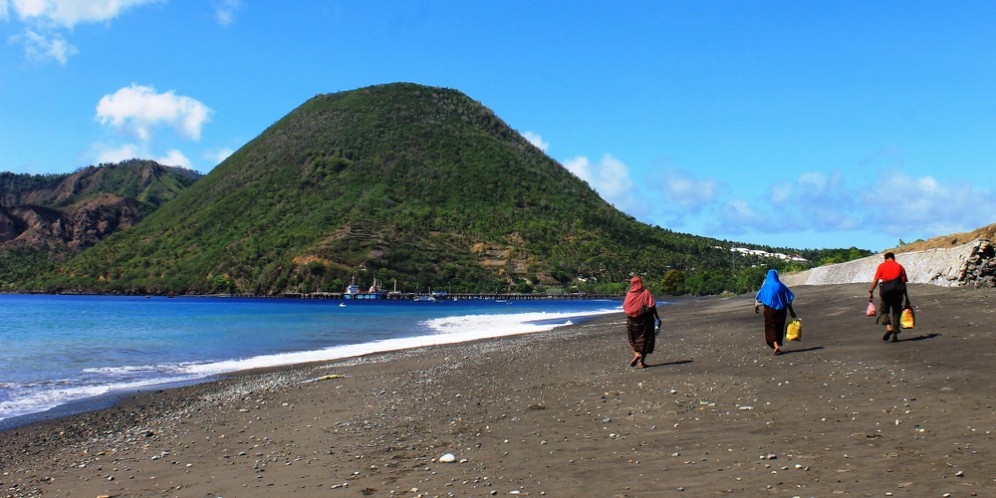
[640,332]
[774,326]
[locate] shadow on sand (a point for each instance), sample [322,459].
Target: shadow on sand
[919,337]
[791,351]
[679,362]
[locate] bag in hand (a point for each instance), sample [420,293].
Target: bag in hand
[907,319]
[870,310]
[794,330]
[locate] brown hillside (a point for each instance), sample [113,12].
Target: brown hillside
[946,241]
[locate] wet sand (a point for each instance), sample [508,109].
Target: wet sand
[562,414]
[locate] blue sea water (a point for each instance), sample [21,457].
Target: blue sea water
[56,350]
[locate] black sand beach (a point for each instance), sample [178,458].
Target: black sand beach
[561,413]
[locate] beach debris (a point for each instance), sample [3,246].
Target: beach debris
[324,377]
[769,456]
[447,458]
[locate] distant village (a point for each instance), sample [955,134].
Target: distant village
[765,254]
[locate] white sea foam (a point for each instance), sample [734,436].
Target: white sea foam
[446,330]
[133,370]
[39,400]
[35,398]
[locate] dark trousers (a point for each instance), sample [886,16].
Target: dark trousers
[890,309]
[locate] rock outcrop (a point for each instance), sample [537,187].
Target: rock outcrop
[75,211]
[79,227]
[970,264]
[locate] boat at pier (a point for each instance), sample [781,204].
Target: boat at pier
[353,292]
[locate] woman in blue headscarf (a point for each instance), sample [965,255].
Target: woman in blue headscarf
[777,299]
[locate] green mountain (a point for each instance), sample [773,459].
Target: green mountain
[46,218]
[407,184]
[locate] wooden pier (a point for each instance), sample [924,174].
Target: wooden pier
[454,296]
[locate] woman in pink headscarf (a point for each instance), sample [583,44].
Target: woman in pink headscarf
[641,315]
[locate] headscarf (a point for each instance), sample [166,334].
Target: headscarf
[773,293]
[637,298]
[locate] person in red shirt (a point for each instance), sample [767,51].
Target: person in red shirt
[891,291]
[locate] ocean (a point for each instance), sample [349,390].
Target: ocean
[60,351]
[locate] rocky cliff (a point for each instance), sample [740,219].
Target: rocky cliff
[78,227]
[75,211]
[960,260]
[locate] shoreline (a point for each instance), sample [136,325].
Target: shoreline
[549,413]
[458,324]
[114,399]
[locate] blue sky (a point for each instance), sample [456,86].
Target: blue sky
[798,124]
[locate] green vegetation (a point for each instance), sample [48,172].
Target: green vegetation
[148,182]
[403,183]
[63,213]
[832,256]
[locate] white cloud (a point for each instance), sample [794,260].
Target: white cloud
[537,140]
[740,210]
[175,158]
[739,214]
[68,13]
[41,47]
[609,177]
[224,10]
[140,110]
[691,194]
[109,154]
[104,154]
[218,155]
[896,205]
[816,201]
[44,19]
[912,208]
[781,193]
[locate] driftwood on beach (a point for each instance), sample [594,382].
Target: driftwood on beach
[561,414]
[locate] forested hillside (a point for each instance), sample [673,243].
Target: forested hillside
[47,218]
[404,183]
